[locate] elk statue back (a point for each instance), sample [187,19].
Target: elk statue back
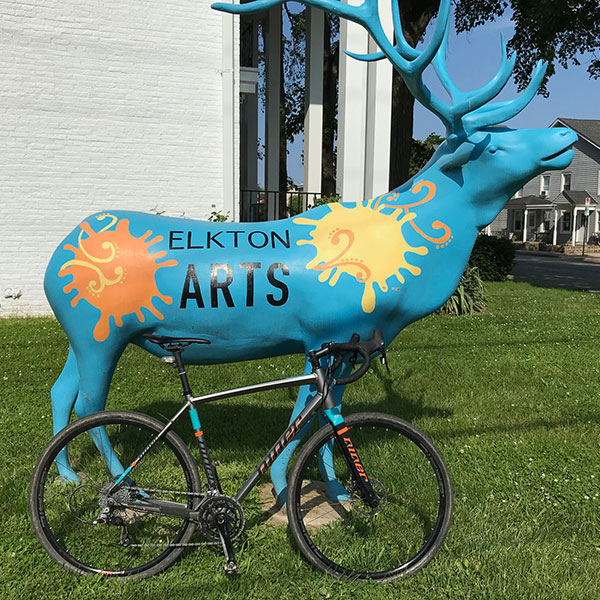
[257,290]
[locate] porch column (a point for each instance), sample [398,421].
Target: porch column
[525,225]
[379,115]
[596,220]
[230,107]
[313,121]
[272,123]
[352,112]
[574,218]
[555,232]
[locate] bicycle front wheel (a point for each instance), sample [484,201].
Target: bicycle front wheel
[85,528]
[339,532]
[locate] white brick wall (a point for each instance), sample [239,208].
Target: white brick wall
[104,104]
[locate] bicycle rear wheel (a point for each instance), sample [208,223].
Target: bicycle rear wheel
[130,541]
[345,537]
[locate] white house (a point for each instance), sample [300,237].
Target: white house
[552,207]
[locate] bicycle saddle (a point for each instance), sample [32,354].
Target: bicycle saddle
[164,341]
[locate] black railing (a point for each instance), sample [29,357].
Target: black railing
[254,204]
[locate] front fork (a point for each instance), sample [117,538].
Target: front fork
[344,442]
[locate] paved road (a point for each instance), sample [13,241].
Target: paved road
[570,273]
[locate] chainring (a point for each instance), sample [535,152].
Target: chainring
[216,505]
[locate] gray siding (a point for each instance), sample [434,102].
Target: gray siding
[585,176]
[584,170]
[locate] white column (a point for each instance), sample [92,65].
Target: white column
[230,181]
[352,112]
[272,123]
[379,115]
[596,221]
[313,121]
[555,232]
[573,218]
[525,225]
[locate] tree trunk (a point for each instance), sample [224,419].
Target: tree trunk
[330,104]
[403,104]
[415,17]
[283,175]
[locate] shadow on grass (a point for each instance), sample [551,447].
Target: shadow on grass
[500,343]
[512,427]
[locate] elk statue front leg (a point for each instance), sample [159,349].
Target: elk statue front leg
[279,468]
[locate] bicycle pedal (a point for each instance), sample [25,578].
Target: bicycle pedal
[231,568]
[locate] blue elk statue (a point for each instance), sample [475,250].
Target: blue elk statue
[282,287]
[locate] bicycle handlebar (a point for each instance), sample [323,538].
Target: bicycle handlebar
[365,349]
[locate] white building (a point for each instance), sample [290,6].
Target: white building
[552,207]
[137,105]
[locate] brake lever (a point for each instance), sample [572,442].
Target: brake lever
[383,359]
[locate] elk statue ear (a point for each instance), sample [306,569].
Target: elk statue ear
[468,149]
[456,159]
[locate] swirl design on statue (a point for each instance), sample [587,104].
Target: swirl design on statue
[96,286]
[417,187]
[338,261]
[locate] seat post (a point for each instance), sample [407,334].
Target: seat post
[187,390]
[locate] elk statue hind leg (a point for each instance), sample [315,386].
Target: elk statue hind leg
[83,386]
[63,395]
[95,374]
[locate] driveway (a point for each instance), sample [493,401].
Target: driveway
[558,271]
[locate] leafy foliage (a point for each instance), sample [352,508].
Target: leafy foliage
[469,296]
[422,151]
[325,200]
[493,256]
[217,216]
[558,31]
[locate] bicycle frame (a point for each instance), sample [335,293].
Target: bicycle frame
[322,398]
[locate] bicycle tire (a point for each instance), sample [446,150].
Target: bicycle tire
[62,513]
[345,537]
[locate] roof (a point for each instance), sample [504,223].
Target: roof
[568,197]
[529,202]
[574,197]
[586,128]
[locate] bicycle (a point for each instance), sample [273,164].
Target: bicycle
[382,510]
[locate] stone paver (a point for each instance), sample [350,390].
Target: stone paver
[321,510]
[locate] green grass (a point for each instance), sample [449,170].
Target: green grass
[509,396]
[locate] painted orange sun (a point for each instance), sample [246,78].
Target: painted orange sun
[115,272]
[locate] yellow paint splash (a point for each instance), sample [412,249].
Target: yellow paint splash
[115,272]
[350,240]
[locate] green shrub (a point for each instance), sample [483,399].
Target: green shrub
[324,200]
[469,296]
[493,256]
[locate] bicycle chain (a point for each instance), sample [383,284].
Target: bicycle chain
[155,490]
[176,493]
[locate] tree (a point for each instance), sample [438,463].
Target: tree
[422,151]
[415,16]
[557,31]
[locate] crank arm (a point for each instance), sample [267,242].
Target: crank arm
[230,565]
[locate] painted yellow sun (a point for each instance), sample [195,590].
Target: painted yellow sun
[348,240]
[115,272]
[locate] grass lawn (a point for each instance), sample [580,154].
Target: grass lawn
[509,396]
